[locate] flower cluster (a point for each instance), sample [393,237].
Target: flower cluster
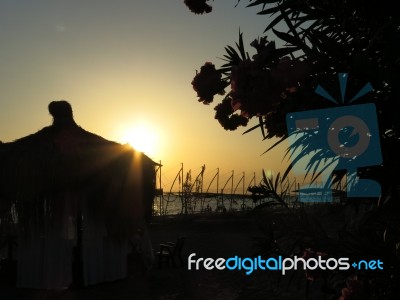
[355,290]
[260,86]
[252,90]
[198,6]
[226,116]
[207,83]
[317,273]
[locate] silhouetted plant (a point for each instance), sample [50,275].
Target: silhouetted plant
[322,39]
[275,191]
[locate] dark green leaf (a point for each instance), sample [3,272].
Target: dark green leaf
[288,169]
[276,144]
[274,22]
[276,182]
[252,128]
[240,46]
[293,40]
[261,123]
[262,2]
[268,11]
[280,52]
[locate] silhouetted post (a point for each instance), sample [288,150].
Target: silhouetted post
[77,267]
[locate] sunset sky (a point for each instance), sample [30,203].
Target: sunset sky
[125,65]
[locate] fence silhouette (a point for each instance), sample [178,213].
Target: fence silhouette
[192,194]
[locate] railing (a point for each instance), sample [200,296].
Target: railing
[192,194]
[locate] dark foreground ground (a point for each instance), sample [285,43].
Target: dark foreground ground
[207,236]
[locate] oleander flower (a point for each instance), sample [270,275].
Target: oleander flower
[275,123]
[355,290]
[317,273]
[198,7]
[290,72]
[225,115]
[265,49]
[258,90]
[265,86]
[252,89]
[208,82]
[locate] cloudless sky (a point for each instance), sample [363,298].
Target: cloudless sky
[123,64]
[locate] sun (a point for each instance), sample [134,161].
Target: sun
[142,138]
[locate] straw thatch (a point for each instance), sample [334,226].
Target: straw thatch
[64,167]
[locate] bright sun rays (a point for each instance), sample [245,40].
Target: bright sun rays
[142,137]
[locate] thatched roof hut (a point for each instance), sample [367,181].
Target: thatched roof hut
[50,179]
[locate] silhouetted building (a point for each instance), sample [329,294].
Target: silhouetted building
[73,199]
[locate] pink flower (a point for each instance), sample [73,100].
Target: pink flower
[354,290]
[264,50]
[313,274]
[225,116]
[345,294]
[198,6]
[235,105]
[207,83]
[289,72]
[252,87]
[258,90]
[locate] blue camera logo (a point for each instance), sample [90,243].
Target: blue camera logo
[339,138]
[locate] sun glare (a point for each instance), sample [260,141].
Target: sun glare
[142,138]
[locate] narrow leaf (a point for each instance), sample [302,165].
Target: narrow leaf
[276,144]
[292,40]
[274,22]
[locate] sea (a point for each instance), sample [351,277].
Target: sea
[175,204]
